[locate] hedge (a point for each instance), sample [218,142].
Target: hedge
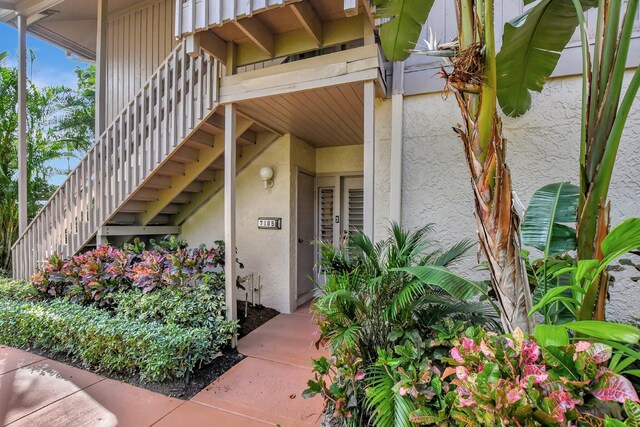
[113,343]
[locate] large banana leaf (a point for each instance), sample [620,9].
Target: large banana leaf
[401,32]
[624,238]
[551,208]
[531,47]
[599,330]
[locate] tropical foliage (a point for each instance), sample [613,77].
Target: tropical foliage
[94,276]
[511,380]
[378,299]
[168,298]
[473,80]
[52,134]
[155,350]
[533,44]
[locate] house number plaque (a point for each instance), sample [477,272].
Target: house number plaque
[268,223]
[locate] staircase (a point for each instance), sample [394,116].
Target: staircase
[140,170]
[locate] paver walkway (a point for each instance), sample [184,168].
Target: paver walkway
[263,389]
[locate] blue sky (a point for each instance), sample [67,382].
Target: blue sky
[52,67]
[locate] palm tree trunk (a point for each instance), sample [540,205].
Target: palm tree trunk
[473,81]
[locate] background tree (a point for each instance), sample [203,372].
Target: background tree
[54,132]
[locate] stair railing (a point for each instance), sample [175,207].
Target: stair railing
[181,92]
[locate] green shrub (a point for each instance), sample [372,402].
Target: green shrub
[109,343]
[377,296]
[18,290]
[199,307]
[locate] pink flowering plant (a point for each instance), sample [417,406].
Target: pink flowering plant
[511,380]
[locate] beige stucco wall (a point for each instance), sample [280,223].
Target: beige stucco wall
[263,252]
[543,148]
[344,159]
[268,253]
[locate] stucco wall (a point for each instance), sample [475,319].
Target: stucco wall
[344,159]
[543,148]
[263,252]
[268,253]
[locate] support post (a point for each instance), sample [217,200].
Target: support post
[22,124]
[230,210]
[397,105]
[101,67]
[369,157]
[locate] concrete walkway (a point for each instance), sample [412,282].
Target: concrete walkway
[263,389]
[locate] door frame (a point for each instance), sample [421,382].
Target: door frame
[297,170]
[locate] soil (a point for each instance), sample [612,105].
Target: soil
[186,388]
[258,316]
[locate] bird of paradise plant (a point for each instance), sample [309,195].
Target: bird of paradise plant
[474,82]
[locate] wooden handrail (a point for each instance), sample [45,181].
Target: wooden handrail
[145,133]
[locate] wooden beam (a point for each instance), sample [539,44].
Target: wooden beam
[134,230]
[334,32]
[247,137]
[230,211]
[369,158]
[22,124]
[309,20]
[180,182]
[351,7]
[258,33]
[101,68]
[370,9]
[209,41]
[33,7]
[354,65]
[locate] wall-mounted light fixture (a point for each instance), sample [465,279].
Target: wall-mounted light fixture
[266,174]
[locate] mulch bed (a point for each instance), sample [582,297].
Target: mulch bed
[186,388]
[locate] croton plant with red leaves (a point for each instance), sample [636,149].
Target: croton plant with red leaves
[91,277]
[511,380]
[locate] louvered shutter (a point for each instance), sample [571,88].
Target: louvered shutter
[325,232]
[355,209]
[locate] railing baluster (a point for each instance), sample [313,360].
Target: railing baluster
[192,88]
[156,119]
[167,122]
[147,150]
[181,91]
[174,100]
[183,96]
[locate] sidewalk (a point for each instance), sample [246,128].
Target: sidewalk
[263,389]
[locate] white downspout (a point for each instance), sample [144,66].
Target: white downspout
[397,110]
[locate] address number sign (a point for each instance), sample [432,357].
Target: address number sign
[268,223]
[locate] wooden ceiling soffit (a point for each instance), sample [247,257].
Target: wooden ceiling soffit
[297,41]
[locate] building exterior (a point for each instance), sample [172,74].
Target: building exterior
[200,101]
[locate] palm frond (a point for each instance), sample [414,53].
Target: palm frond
[454,253]
[387,406]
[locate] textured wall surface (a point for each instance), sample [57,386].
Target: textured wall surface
[263,252]
[543,148]
[347,158]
